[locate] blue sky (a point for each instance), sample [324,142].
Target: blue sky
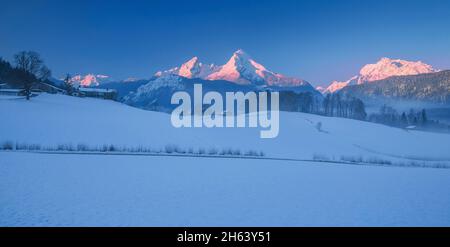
[318,41]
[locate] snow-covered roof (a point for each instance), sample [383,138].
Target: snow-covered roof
[52,86]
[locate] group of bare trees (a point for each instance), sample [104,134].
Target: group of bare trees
[389,116]
[336,105]
[68,85]
[333,105]
[32,68]
[298,102]
[27,70]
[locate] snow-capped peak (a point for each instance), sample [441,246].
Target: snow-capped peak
[387,67]
[242,69]
[338,85]
[382,69]
[89,80]
[238,69]
[190,69]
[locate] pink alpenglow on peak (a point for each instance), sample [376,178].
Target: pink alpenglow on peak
[190,69]
[392,67]
[383,69]
[89,80]
[240,69]
[338,85]
[321,89]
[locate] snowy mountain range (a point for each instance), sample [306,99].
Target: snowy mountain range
[191,69]
[240,73]
[380,70]
[425,87]
[156,94]
[89,80]
[240,69]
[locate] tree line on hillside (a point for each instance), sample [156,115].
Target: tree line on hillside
[28,69]
[413,119]
[432,87]
[389,116]
[333,105]
[345,106]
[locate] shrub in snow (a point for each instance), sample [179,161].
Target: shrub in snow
[212,151]
[321,157]
[104,148]
[112,148]
[7,145]
[352,159]
[64,147]
[319,126]
[179,150]
[169,149]
[227,151]
[376,160]
[252,153]
[28,147]
[82,147]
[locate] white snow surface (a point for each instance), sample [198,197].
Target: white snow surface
[85,190]
[124,190]
[58,119]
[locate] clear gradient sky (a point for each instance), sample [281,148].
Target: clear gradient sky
[319,41]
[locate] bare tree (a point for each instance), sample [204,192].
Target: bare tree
[33,69]
[44,73]
[68,85]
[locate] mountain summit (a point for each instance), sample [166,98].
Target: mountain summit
[190,69]
[89,80]
[383,69]
[240,69]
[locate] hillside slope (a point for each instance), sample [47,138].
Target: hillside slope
[57,119]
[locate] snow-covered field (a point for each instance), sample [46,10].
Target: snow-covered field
[50,120]
[102,190]
[78,189]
